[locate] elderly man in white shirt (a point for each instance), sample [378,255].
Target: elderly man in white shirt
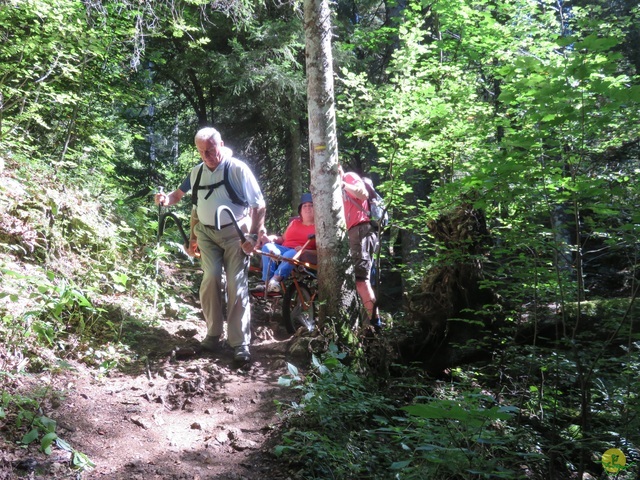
[223,181]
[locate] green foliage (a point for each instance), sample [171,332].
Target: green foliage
[530,113]
[468,434]
[31,426]
[60,64]
[64,310]
[333,382]
[519,133]
[552,405]
[326,427]
[79,460]
[62,317]
[460,429]
[455,432]
[527,110]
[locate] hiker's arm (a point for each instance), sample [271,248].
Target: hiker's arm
[257,225]
[257,221]
[357,190]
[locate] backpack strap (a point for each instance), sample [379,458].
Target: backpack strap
[196,187]
[367,212]
[233,195]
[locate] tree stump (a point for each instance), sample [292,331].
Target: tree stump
[449,310]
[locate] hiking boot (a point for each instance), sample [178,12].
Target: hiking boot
[211,344]
[242,354]
[274,286]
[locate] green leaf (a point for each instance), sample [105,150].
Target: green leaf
[47,441]
[595,43]
[63,444]
[280,450]
[285,381]
[565,41]
[633,93]
[48,424]
[82,461]
[30,437]
[293,370]
[315,361]
[400,465]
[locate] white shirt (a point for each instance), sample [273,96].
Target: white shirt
[242,181]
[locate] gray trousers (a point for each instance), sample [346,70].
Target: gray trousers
[221,249]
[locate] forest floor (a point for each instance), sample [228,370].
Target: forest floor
[174,414]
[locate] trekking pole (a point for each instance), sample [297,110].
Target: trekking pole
[232,217]
[155,293]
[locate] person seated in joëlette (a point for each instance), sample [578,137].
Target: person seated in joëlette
[299,235]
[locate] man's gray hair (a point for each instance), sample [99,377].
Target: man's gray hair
[210,134]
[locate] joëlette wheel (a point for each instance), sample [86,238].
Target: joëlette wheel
[298,309]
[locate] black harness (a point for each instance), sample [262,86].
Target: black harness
[233,195]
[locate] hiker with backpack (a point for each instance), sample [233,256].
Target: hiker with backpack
[363,240]
[222,182]
[166,200]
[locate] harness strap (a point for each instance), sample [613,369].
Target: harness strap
[211,188]
[233,195]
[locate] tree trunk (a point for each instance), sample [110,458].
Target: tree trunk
[295,161]
[331,232]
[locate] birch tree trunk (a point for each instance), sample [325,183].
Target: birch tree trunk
[333,266]
[295,161]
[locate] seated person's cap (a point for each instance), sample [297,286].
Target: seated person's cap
[305,198]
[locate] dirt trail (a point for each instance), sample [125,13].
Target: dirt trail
[197,417]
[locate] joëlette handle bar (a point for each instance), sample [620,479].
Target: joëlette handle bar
[299,252]
[294,261]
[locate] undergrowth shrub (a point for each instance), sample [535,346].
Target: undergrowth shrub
[466,436]
[351,426]
[21,417]
[91,245]
[329,429]
[575,403]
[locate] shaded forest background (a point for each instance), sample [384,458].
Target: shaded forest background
[504,137]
